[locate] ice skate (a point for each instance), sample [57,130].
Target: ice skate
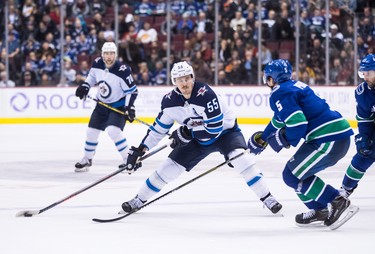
[346,192]
[271,203]
[132,205]
[83,165]
[312,218]
[341,211]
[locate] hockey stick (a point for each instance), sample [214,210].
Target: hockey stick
[30,213]
[173,190]
[116,110]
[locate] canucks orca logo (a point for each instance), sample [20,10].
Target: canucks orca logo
[202,91]
[104,89]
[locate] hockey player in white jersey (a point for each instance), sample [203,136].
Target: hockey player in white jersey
[116,88]
[207,126]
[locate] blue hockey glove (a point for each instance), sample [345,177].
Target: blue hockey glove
[82,91]
[132,163]
[129,113]
[363,144]
[181,137]
[277,140]
[256,144]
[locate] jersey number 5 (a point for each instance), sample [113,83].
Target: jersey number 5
[279,106]
[212,105]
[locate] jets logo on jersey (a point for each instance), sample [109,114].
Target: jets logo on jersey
[193,121]
[202,91]
[104,89]
[122,67]
[168,95]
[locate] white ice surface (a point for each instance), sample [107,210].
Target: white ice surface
[215,214]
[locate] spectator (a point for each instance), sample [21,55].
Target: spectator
[238,21]
[185,25]
[222,78]
[187,52]
[69,74]
[27,79]
[145,8]
[203,25]
[147,34]
[178,6]
[4,82]
[159,76]
[81,7]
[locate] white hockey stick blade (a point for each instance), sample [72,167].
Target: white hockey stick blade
[27,213]
[347,215]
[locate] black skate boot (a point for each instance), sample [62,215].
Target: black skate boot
[271,203]
[338,206]
[312,218]
[83,165]
[132,205]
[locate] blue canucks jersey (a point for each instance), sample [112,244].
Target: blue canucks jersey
[116,86]
[365,98]
[304,115]
[205,114]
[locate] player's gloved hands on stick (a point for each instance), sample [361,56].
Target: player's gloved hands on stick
[132,163]
[256,144]
[277,140]
[181,137]
[129,113]
[363,145]
[82,91]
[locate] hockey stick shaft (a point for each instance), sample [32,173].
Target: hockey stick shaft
[31,213]
[116,110]
[173,190]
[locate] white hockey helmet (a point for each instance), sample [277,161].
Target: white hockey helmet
[109,47]
[181,69]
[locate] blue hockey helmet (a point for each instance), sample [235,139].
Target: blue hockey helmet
[367,64]
[279,70]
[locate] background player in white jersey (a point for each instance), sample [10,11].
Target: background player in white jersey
[116,88]
[300,114]
[207,126]
[365,139]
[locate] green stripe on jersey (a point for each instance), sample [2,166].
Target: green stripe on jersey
[315,189]
[331,128]
[295,119]
[354,173]
[313,158]
[277,124]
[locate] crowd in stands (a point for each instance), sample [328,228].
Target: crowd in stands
[34,48]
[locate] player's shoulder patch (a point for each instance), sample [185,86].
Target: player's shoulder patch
[98,63]
[171,99]
[360,88]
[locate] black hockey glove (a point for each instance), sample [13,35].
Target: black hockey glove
[181,137]
[129,113]
[256,144]
[82,91]
[277,140]
[363,145]
[132,163]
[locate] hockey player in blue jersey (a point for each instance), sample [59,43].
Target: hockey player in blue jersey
[207,126]
[116,88]
[300,114]
[365,139]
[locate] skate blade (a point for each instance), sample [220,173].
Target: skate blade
[81,170]
[347,215]
[315,224]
